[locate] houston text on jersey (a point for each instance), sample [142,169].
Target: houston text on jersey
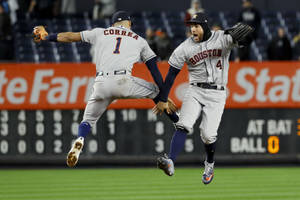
[204,54]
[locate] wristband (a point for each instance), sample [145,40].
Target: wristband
[52,37]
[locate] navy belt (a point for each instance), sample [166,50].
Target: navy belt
[208,86]
[116,72]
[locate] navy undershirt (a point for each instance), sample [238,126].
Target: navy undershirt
[173,72]
[152,66]
[164,88]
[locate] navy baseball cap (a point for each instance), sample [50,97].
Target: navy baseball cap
[120,16]
[198,18]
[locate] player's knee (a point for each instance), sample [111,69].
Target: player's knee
[154,93]
[208,139]
[183,128]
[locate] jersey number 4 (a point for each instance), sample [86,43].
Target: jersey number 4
[117,49]
[219,65]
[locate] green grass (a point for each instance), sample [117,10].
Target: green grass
[150,184]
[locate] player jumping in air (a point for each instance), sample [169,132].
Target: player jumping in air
[117,48]
[206,53]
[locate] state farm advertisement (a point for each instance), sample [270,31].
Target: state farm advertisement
[264,84]
[68,85]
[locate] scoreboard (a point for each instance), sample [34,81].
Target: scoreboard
[138,136]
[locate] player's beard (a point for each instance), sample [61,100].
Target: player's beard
[198,37]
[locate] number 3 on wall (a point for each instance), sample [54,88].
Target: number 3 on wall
[117,49]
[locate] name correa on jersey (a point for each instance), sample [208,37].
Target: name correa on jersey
[118,32]
[204,54]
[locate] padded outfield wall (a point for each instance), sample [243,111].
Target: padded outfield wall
[41,106]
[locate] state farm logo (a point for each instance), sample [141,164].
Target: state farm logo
[258,85]
[45,87]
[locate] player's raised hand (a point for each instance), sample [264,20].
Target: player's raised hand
[39,33]
[172,105]
[160,107]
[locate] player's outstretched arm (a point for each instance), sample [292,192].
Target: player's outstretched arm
[40,34]
[164,103]
[68,37]
[156,75]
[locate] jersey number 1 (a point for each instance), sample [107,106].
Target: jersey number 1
[117,49]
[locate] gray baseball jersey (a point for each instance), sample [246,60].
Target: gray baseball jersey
[208,62]
[116,50]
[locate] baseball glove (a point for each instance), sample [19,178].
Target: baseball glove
[241,33]
[39,33]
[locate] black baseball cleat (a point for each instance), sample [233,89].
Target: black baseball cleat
[208,173]
[166,164]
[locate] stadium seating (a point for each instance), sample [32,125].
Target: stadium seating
[171,21]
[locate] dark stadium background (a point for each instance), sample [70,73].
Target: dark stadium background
[258,151]
[211,5]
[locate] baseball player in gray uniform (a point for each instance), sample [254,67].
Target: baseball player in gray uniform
[206,53]
[117,48]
